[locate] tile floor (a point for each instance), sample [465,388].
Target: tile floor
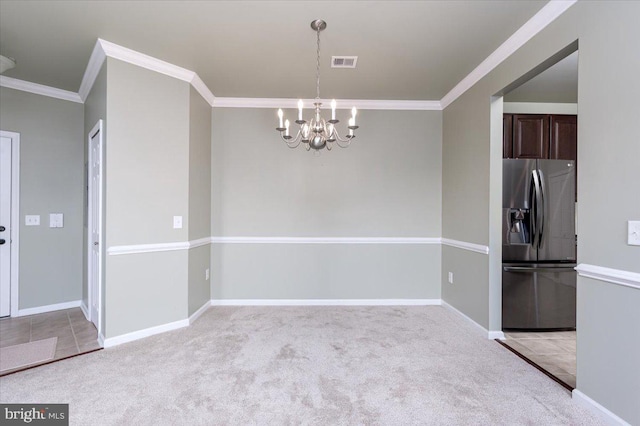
[75,334]
[554,351]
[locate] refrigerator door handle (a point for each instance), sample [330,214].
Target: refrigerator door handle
[534,195]
[541,208]
[529,269]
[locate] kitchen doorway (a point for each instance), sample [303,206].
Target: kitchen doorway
[538,223]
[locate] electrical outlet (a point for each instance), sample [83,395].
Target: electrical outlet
[177,222]
[633,238]
[32,220]
[450,277]
[206,274]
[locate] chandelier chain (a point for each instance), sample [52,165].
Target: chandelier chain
[318,66]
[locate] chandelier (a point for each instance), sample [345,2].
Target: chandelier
[317,133]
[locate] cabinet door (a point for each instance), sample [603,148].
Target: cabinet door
[564,137]
[507,136]
[531,136]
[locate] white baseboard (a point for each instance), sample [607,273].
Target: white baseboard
[141,334]
[49,308]
[101,340]
[325,302]
[492,335]
[604,414]
[199,312]
[84,310]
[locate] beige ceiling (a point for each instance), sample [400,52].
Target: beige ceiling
[406,49]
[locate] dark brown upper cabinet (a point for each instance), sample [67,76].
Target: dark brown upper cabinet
[564,137]
[530,136]
[540,136]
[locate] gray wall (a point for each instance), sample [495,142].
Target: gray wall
[607,154]
[95,108]
[147,182]
[387,184]
[51,181]
[199,198]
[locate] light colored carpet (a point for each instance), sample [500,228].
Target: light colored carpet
[26,354]
[305,365]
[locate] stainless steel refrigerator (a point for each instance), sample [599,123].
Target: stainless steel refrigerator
[538,245]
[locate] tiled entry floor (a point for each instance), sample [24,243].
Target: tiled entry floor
[554,351]
[75,334]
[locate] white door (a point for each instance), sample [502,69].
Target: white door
[95,224]
[5,226]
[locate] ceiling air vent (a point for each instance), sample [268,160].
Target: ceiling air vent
[344,61]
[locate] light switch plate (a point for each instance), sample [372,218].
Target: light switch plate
[633,238]
[177,222]
[56,220]
[32,220]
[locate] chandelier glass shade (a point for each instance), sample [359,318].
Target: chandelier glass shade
[316,133]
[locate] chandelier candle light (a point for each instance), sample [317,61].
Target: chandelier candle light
[317,133]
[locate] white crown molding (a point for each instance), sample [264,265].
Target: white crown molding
[610,275]
[603,413]
[39,89]
[130,56]
[363,104]
[533,26]
[325,302]
[91,72]
[466,246]
[202,88]
[323,240]
[49,308]
[141,334]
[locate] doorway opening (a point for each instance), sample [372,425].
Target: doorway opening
[536,216]
[9,221]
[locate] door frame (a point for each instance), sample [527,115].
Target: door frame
[15,217]
[98,128]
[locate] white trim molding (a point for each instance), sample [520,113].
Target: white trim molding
[186,245]
[324,240]
[533,26]
[15,220]
[130,56]
[364,104]
[610,275]
[85,310]
[39,89]
[49,308]
[91,72]
[491,334]
[325,302]
[603,413]
[152,248]
[199,312]
[141,334]
[478,248]
[147,248]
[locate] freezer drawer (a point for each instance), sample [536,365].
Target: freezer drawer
[538,297]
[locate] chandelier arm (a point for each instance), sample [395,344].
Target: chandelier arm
[340,139]
[293,142]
